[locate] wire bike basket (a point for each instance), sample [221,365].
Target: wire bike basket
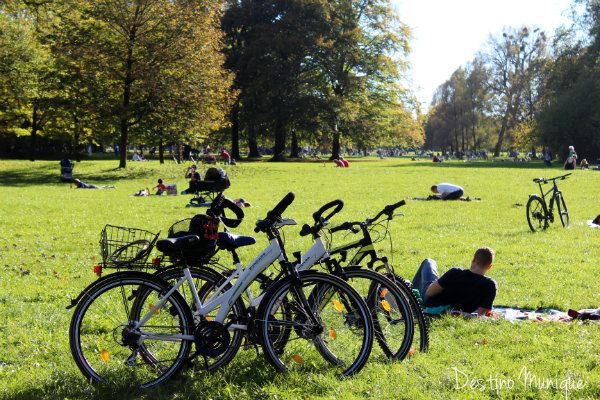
[126,248]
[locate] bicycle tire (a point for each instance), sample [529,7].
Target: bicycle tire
[342,335]
[205,281]
[420,321]
[102,340]
[393,321]
[562,211]
[537,215]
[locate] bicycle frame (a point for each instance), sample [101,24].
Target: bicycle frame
[555,192]
[244,277]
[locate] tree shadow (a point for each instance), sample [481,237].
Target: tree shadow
[41,176]
[538,165]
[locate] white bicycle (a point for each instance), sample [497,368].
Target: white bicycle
[134,328]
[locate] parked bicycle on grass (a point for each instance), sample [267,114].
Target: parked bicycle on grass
[539,213]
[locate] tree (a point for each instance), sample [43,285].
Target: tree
[363,43]
[509,74]
[145,55]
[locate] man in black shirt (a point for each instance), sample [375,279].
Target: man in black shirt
[466,290]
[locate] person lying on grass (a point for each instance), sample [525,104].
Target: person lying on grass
[82,185]
[468,290]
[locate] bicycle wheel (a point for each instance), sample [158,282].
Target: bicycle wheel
[562,210]
[107,347]
[393,321]
[420,322]
[218,345]
[536,214]
[341,336]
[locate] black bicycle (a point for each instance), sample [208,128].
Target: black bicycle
[539,215]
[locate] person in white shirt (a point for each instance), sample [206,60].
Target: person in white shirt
[448,191]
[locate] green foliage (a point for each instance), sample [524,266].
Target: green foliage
[49,243]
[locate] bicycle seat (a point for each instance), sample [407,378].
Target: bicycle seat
[172,245]
[229,241]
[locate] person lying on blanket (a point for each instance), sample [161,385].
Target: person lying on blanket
[463,289]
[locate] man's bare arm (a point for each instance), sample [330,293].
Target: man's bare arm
[434,289]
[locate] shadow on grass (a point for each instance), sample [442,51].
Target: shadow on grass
[34,177]
[538,165]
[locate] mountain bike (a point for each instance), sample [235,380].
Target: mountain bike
[392,316]
[134,328]
[539,214]
[364,251]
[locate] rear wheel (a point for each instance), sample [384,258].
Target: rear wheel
[106,344]
[536,214]
[562,211]
[421,336]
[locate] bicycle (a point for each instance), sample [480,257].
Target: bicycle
[392,316]
[134,327]
[539,215]
[365,250]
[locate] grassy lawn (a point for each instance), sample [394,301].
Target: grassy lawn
[49,236]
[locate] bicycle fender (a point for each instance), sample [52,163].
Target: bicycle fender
[109,277]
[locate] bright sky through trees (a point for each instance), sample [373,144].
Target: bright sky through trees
[447,34]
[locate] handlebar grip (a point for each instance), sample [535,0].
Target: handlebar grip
[343,227]
[305,230]
[281,206]
[338,204]
[390,208]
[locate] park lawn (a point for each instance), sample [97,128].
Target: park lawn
[49,243]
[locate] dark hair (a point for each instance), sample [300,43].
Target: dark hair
[434,187]
[160,180]
[484,256]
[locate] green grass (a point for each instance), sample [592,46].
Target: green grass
[49,236]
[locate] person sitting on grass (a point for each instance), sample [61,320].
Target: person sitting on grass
[160,188]
[194,176]
[468,290]
[82,185]
[448,191]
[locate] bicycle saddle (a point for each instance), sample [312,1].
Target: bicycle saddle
[172,245]
[229,241]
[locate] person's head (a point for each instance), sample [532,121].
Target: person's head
[160,181]
[77,182]
[434,189]
[571,148]
[194,167]
[482,260]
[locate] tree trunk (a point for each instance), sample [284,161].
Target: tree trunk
[335,146]
[34,130]
[252,143]
[501,134]
[279,147]
[235,130]
[294,152]
[161,152]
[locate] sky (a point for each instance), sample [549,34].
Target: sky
[447,34]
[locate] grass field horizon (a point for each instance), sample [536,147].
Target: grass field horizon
[49,243]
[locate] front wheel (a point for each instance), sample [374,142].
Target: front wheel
[562,211]
[536,214]
[332,329]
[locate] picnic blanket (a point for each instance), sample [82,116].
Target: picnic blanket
[432,197]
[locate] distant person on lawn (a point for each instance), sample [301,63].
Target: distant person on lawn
[468,290]
[82,185]
[448,191]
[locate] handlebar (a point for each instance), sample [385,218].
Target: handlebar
[275,213]
[387,210]
[546,180]
[338,204]
[320,221]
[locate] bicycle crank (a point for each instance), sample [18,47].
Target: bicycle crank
[211,338]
